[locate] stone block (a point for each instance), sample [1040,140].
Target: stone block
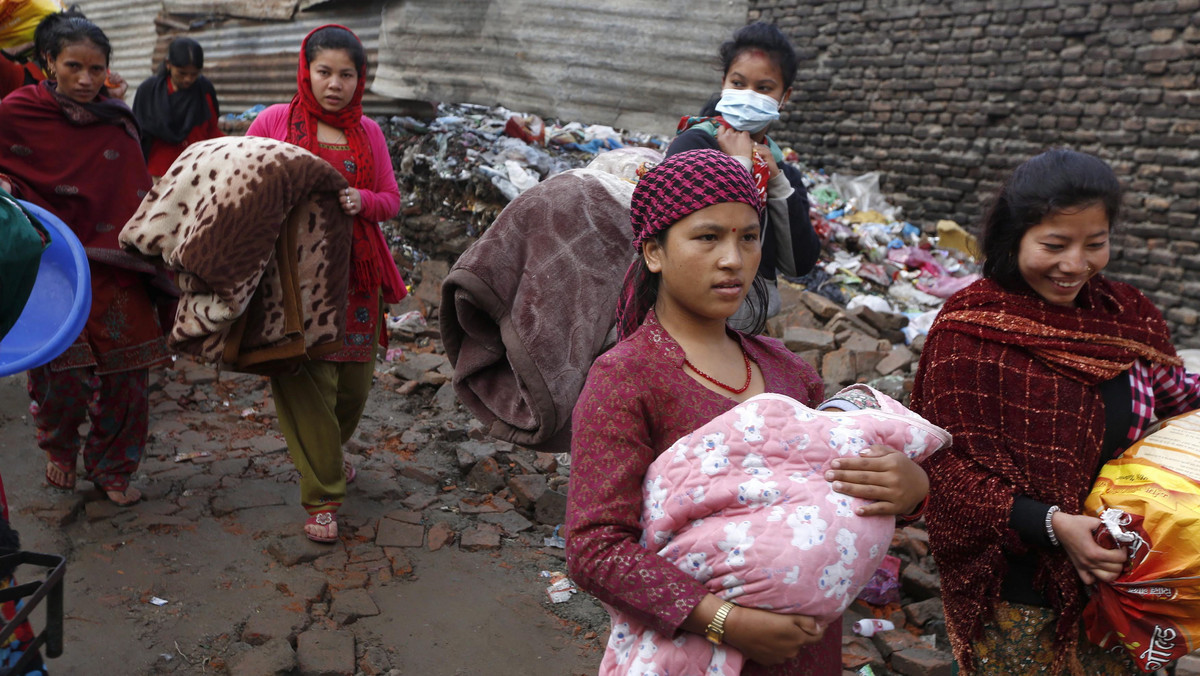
[272,658]
[1188,665]
[899,358]
[838,368]
[399,561]
[510,522]
[470,452]
[922,662]
[820,305]
[858,652]
[486,476]
[923,612]
[392,533]
[351,604]
[799,339]
[326,653]
[551,508]
[295,549]
[919,583]
[274,623]
[527,488]
[440,534]
[894,640]
[483,537]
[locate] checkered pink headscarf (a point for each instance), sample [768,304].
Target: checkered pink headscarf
[680,185]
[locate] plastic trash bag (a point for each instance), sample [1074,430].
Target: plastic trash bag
[1149,501]
[19,18]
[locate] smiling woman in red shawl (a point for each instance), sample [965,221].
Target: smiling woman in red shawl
[1042,371]
[319,407]
[69,149]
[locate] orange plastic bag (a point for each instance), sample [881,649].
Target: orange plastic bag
[1149,501]
[19,18]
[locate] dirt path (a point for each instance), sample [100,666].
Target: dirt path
[427,579]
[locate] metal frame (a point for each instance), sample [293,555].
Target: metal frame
[50,589]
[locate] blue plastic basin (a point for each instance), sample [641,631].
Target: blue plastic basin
[58,306]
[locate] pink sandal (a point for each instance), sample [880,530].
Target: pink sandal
[325,520]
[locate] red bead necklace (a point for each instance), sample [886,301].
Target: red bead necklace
[720,384]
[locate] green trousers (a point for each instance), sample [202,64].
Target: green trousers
[319,408]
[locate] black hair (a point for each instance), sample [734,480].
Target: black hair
[10,543]
[767,38]
[335,37]
[183,52]
[1054,181]
[645,291]
[58,30]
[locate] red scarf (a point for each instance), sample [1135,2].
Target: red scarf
[303,114]
[42,136]
[1038,365]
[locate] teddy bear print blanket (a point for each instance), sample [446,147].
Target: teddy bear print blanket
[742,505]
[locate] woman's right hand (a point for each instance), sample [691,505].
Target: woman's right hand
[5,185]
[770,638]
[1092,562]
[734,143]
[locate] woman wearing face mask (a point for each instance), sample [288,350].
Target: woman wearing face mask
[759,65]
[176,107]
[320,405]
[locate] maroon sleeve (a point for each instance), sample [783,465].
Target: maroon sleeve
[610,453]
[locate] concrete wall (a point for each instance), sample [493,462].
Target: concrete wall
[945,97]
[625,63]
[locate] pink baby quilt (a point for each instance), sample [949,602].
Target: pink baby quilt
[741,504]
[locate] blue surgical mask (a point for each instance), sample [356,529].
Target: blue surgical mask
[747,110]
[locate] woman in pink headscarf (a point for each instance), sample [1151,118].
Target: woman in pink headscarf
[320,406]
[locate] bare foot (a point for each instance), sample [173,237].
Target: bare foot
[60,477]
[124,498]
[321,527]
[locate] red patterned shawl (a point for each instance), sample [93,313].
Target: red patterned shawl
[303,113]
[1014,379]
[43,135]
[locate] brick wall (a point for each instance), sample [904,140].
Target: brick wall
[945,97]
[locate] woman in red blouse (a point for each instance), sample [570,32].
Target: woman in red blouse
[696,220]
[176,107]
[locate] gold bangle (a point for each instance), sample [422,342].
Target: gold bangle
[715,632]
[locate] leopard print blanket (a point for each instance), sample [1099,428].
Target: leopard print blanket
[260,248]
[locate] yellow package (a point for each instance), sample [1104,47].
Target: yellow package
[1149,501]
[19,18]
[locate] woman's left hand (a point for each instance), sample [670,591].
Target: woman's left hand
[880,473]
[764,152]
[117,86]
[351,201]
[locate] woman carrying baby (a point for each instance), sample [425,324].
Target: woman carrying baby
[696,221]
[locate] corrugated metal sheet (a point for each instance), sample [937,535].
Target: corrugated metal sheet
[626,63]
[129,25]
[278,10]
[249,62]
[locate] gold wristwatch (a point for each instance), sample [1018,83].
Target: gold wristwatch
[715,632]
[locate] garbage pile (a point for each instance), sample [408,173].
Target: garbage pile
[872,258]
[458,171]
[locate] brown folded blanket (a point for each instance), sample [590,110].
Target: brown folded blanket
[528,307]
[261,250]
